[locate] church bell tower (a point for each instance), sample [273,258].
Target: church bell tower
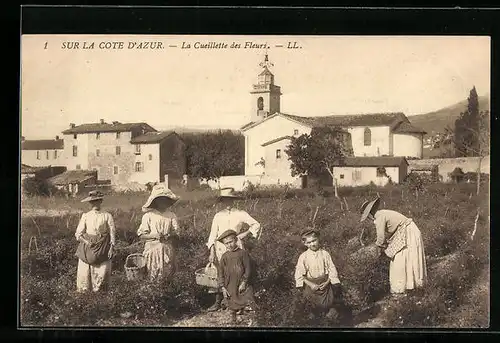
[265,94]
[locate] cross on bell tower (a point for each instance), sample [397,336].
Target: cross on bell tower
[265,94]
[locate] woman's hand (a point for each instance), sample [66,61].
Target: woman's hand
[242,287]
[380,251]
[323,285]
[111,252]
[211,256]
[225,292]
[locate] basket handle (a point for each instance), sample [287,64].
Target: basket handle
[132,255]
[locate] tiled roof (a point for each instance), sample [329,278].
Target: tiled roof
[153,137]
[374,161]
[25,169]
[393,120]
[276,140]
[42,144]
[406,127]
[107,127]
[72,176]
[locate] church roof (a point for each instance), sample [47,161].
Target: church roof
[393,120]
[405,127]
[374,161]
[276,140]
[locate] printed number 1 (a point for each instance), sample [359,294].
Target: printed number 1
[45,47]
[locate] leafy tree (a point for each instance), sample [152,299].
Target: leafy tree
[466,128]
[212,155]
[317,152]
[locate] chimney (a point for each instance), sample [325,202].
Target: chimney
[72,125]
[57,138]
[102,121]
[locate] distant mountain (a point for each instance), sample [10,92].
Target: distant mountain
[437,121]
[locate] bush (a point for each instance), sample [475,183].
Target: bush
[34,186]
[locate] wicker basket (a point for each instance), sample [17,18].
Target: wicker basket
[135,266]
[207,276]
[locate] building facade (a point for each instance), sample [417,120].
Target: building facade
[42,152]
[270,131]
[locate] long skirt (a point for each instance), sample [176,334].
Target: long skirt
[408,269]
[95,277]
[160,260]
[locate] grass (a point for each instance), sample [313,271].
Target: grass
[444,213]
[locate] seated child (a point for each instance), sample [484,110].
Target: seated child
[234,271]
[316,274]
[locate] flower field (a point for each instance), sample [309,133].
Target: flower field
[447,214]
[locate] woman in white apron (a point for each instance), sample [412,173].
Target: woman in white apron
[230,218]
[400,239]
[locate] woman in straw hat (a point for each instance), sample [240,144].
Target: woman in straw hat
[230,218]
[96,234]
[157,227]
[400,239]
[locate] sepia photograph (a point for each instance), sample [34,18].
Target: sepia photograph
[265,181]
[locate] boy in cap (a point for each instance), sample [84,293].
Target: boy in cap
[317,276]
[234,270]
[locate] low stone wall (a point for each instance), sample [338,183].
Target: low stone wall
[447,165]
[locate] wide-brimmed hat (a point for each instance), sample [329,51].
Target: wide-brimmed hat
[228,193]
[94,195]
[308,231]
[160,191]
[367,207]
[225,234]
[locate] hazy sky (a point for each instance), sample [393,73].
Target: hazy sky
[210,87]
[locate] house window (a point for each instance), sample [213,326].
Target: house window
[139,167]
[118,150]
[295,132]
[138,149]
[97,152]
[78,167]
[356,175]
[75,151]
[115,170]
[368,137]
[47,154]
[260,103]
[118,135]
[150,157]
[97,135]
[38,155]
[55,154]
[341,176]
[278,153]
[74,136]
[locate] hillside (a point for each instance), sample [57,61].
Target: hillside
[437,121]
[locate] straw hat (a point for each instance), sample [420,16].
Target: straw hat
[309,230]
[158,191]
[367,207]
[228,193]
[94,195]
[225,234]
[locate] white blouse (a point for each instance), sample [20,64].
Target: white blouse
[96,222]
[315,264]
[155,222]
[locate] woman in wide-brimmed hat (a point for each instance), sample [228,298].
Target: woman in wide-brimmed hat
[96,234]
[230,218]
[400,239]
[158,226]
